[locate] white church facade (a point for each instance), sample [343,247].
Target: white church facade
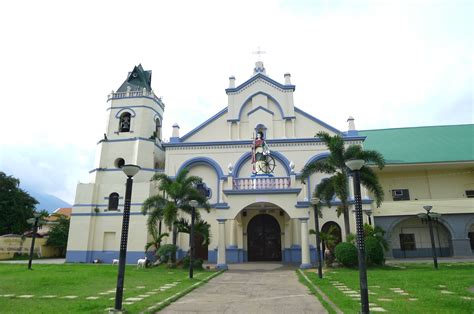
[254,216]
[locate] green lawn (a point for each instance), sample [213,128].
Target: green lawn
[87,280]
[421,288]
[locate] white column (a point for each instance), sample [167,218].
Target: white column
[295,239]
[305,259]
[232,239]
[221,260]
[238,130]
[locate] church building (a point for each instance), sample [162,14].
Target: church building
[250,154]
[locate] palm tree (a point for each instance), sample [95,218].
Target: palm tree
[154,206]
[176,194]
[334,164]
[200,227]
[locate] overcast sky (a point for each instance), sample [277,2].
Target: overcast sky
[387,63]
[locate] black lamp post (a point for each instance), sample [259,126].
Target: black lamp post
[355,165]
[130,171]
[193,204]
[205,192]
[429,217]
[315,202]
[35,222]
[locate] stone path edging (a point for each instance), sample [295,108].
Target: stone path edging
[321,293]
[176,296]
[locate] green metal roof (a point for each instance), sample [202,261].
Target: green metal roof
[423,144]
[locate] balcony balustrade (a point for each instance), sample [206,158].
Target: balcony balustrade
[262,183]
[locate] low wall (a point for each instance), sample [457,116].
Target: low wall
[11,245]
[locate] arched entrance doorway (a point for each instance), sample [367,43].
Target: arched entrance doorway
[200,250]
[332,233]
[264,239]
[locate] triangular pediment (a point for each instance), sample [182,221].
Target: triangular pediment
[260,77]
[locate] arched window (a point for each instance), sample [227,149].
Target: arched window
[158,129]
[125,120]
[113,201]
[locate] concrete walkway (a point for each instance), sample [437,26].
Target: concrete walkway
[250,288]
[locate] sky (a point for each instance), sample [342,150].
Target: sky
[392,63]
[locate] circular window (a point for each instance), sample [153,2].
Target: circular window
[119,162]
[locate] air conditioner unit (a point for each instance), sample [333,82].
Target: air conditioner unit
[400,195]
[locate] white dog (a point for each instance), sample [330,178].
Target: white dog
[115,261]
[142,262]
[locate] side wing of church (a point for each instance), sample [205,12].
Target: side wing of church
[249,154]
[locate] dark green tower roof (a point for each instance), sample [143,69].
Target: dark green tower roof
[137,80]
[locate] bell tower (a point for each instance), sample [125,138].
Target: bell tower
[133,131]
[132,136]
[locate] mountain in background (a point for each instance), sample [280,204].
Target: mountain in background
[47,201]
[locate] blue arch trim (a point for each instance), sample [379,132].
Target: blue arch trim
[129,110]
[313,159]
[317,157]
[203,160]
[262,93]
[246,157]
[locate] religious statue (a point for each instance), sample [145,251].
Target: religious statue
[260,155]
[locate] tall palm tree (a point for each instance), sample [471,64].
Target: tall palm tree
[338,183]
[154,206]
[175,197]
[201,227]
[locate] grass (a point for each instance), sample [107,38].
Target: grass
[86,280]
[420,281]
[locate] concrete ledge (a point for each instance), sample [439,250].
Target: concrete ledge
[305,266]
[222,266]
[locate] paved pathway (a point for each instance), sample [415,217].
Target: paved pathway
[250,288]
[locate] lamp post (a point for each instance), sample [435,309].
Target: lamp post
[429,217]
[204,191]
[193,204]
[35,221]
[130,171]
[355,165]
[368,212]
[315,202]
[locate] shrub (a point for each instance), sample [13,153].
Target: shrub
[166,251]
[197,263]
[374,251]
[346,254]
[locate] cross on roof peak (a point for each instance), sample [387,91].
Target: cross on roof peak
[259,52]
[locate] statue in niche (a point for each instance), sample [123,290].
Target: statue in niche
[263,162]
